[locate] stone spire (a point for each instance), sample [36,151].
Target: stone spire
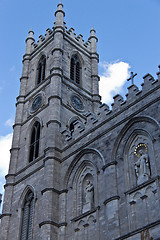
[29,40]
[93,39]
[59,14]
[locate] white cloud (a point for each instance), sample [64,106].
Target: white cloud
[9,122]
[5,145]
[113,78]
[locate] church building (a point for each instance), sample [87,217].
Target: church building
[80,170]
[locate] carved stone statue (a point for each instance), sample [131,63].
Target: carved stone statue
[142,167]
[88,196]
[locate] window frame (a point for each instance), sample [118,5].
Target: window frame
[41,70]
[75,69]
[34,142]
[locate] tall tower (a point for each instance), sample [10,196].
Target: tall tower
[80,170]
[59,85]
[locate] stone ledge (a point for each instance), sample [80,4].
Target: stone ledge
[5,215]
[52,223]
[54,190]
[111,199]
[85,214]
[142,185]
[109,164]
[153,224]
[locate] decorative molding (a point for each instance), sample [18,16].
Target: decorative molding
[126,236]
[52,148]
[14,149]
[23,77]
[53,121]
[57,49]
[52,223]
[53,158]
[109,164]
[26,176]
[85,214]
[55,96]
[111,199]
[54,190]
[5,215]
[142,185]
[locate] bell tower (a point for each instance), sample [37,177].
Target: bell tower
[59,85]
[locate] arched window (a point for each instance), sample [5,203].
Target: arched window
[34,144]
[75,69]
[27,217]
[41,69]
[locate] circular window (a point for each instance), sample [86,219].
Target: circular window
[77,102]
[36,103]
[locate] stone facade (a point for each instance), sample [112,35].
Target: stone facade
[97,175]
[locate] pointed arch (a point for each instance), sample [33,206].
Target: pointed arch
[34,141]
[25,191]
[95,161]
[126,128]
[76,68]
[41,69]
[27,205]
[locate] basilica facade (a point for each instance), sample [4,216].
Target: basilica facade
[80,170]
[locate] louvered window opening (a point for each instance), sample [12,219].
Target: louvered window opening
[34,145]
[41,69]
[27,218]
[75,69]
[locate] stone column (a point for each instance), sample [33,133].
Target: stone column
[50,229]
[94,68]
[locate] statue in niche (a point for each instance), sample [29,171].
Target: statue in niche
[88,196]
[142,167]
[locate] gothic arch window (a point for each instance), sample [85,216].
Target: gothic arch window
[75,69]
[41,69]
[27,216]
[34,142]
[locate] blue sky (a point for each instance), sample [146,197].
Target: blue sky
[128,33]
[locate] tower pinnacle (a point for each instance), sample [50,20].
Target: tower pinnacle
[29,40]
[59,14]
[93,39]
